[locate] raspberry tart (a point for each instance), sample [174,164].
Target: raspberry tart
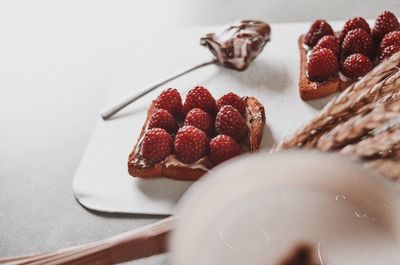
[184,141]
[330,61]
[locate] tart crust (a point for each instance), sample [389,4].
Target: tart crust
[314,90]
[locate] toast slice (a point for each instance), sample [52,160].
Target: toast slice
[361,48]
[313,90]
[174,169]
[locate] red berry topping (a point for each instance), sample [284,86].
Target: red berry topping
[317,30]
[358,41]
[233,100]
[157,145]
[329,42]
[354,23]
[161,118]
[388,52]
[170,100]
[356,65]
[201,98]
[230,122]
[200,119]
[392,38]
[322,64]
[385,23]
[222,148]
[191,144]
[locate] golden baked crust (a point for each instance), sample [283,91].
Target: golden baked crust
[313,90]
[142,168]
[256,119]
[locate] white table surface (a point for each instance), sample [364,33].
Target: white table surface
[58,62]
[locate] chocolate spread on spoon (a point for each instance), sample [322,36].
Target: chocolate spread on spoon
[235,47]
[238,45]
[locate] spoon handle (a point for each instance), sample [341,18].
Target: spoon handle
[122,103]
[139,243]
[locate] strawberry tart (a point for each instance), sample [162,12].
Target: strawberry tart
[330,61]
[185,140]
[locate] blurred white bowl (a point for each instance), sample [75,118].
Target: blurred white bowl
[258,208]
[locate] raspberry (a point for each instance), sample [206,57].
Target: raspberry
[230,122]
[358,41]
[322,64]
[222,148]
[157,145]
[392,38]
[170,100]
[357,65]
[329,42]
[233,100]
[200,119]
[354,23]
[191,144]
[385,23]
[199,97]
[161,118]
[317,30]
[388,52]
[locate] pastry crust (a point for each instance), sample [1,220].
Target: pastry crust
[313,90]
[142,168]
[256,120]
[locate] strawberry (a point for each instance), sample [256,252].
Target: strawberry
[161,118]
[230,122]
[330,42]
[388,52]
[200,97]
[191,144]
[317,30]
[200,119]
[392,38]
[322,64]
[385,23]
[222,148]
[157,145]
[233,100]
[354,23]
[170,100]
[356,65]
[358,41]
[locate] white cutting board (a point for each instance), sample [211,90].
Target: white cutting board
[102,181]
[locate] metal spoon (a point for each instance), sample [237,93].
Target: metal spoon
[235,47]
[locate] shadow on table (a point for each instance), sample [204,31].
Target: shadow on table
[129,111]
[123,215]
[268,140]
[261,74]
[319,104]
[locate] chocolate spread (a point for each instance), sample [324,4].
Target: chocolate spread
[238,45]
[301,255]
